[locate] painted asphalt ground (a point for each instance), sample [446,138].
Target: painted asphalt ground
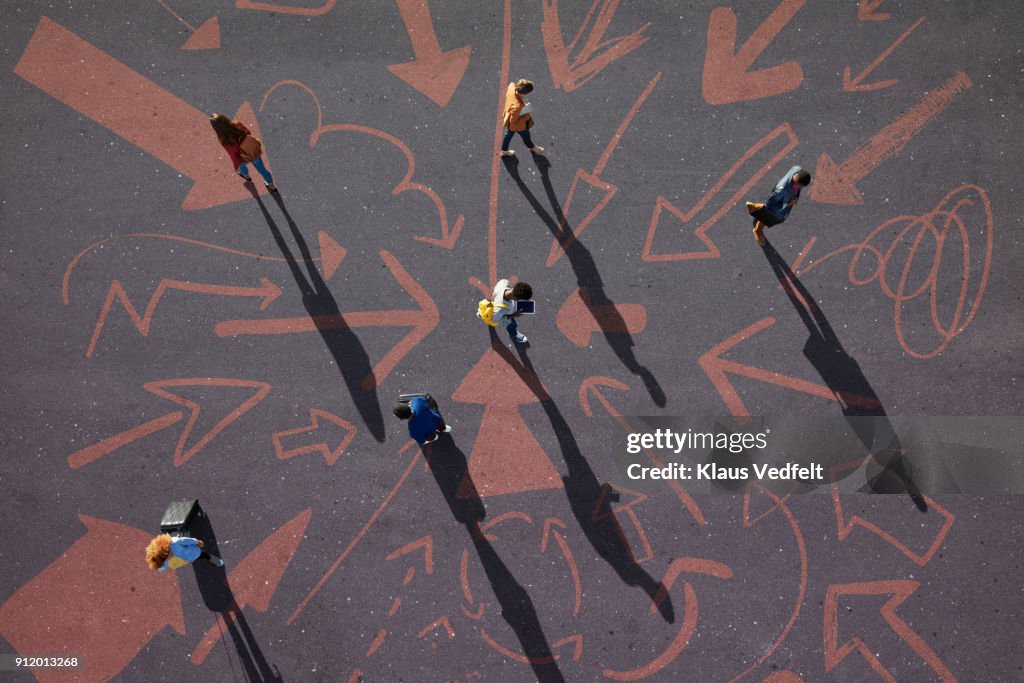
[361,559]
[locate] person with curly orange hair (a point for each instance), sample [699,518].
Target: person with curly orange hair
[165,551]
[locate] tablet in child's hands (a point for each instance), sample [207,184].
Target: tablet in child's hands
[525,306]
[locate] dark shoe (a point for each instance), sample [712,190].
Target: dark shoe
[271,186]
[246,178]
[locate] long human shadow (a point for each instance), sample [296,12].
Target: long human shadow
[589,500]
[843,375]
[588,278]
[349,354]
[449,466]
[218,598]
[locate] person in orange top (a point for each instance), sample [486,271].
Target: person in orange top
[517,117]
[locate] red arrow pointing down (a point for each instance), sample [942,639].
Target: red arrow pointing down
[726,79]
[434,73]
[135,108]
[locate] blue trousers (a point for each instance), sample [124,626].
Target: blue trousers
[524,134]
[243,168]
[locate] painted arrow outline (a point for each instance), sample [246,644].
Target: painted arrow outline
[331,455]
[783,130]
[160,388]
[449,232]
[900,590]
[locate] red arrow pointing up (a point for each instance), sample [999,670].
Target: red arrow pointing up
[124,101]
[98,600]
[900,591]
[726,79]
[434,73]
[835,184]
[506,457]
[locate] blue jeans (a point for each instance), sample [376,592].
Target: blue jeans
[512,328]
[243,168]
[524,134]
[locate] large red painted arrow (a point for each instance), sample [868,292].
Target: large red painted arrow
[267,291]
[577,319]
[313,438]
[726,77]
[596,53]
[135,108]
[717,367]
[110,444]
[855,84]
[593,179]
[255,579]
[506,457]
[422,320]
[98,601]
[837,184]
[434,73]
[900,591]
[701,231]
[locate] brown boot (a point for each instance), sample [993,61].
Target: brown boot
[759,233]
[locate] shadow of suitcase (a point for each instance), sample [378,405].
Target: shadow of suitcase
[179,516]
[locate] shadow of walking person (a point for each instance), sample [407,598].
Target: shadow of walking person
[589,500]
[218,598]
[588,278]
[348,353]
[449,467]
[843,375]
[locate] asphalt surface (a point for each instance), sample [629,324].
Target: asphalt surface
[174,333]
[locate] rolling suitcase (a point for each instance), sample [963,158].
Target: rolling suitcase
[179,516]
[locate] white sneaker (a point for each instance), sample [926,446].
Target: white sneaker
[521,338]
[447,429]
[507,153]
[537,150]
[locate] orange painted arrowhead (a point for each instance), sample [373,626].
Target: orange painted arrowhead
[577,319]
[438,76]
[254,580]
[206,37]
[726,77]
[506,457]
[99,600]
[833,185]
[331,254]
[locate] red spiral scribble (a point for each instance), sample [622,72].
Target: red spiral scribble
[907,249]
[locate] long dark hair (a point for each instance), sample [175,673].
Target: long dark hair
[228,132]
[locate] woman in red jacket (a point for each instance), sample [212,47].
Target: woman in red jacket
[517,117]
[231,134]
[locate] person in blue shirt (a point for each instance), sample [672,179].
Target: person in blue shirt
[425,423]
[781,202]
[176,551]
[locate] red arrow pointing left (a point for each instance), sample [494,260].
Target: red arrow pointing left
[716,368]
[726,79]
[434,73]
[124,101]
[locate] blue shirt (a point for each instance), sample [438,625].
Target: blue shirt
[184,547]
[784,192]
[424,421]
